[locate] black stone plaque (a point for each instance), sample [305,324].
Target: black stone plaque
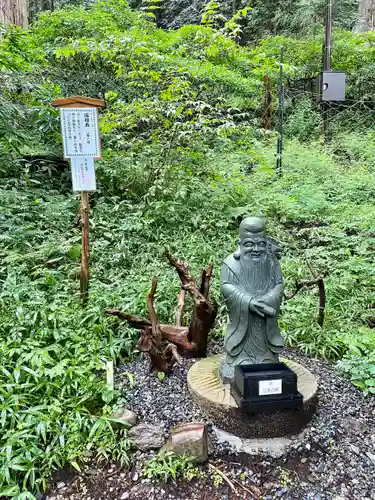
[263,387]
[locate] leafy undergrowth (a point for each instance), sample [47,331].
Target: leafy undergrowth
[53,396]
[166,466]
[54,353]
[184,158]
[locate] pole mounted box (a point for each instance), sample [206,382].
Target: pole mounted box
[331,86]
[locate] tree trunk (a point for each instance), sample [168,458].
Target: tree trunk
[366,16]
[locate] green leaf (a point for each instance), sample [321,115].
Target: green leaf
[359,384]
[16,374]
[41,430]
[16,466]
[9,491]
[76,466]
[50,279]
[62,440]
[75,252]
[130,377]
[118,421]
[108,396]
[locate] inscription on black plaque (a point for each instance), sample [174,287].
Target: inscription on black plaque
[266,387]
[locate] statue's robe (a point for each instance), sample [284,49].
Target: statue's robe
[251,338]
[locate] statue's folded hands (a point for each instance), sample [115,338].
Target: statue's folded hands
[259,307]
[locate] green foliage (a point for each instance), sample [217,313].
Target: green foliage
[360,366]
[12,137]
[150,9]
[53,394]
[18,50]
[303,120]
[213,18]
[184,158]
[233,26]
[102,18]
[211,15]
[351,53]
[300,17]
[169,466]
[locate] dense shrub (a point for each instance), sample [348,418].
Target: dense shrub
[184,158]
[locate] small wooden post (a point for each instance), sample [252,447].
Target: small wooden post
[84,275]
[82,102]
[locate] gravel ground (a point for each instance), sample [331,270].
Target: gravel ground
[334,459]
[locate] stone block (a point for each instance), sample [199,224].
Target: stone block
[147,437]
[189,439]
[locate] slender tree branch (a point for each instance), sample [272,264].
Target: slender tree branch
[303,284]
[171,348]
[187,282]
[176,334]
[188,341]
[319,281]
[135,321]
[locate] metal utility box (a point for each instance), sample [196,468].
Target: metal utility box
[331,86]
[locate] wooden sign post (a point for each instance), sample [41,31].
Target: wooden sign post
[80,131]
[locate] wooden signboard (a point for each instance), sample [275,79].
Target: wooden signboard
[81,140]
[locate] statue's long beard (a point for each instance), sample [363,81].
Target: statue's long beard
[256,274]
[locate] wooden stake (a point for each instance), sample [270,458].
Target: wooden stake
[84,276]
[322,295]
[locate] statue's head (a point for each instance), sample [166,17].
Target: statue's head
[253,239]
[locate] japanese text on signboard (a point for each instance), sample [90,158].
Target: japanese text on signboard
[80,132]
[83,174]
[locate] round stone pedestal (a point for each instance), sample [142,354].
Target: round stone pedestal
[216,402]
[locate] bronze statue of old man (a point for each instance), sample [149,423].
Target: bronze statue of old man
[252,286]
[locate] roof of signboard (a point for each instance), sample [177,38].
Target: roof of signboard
[78,101]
